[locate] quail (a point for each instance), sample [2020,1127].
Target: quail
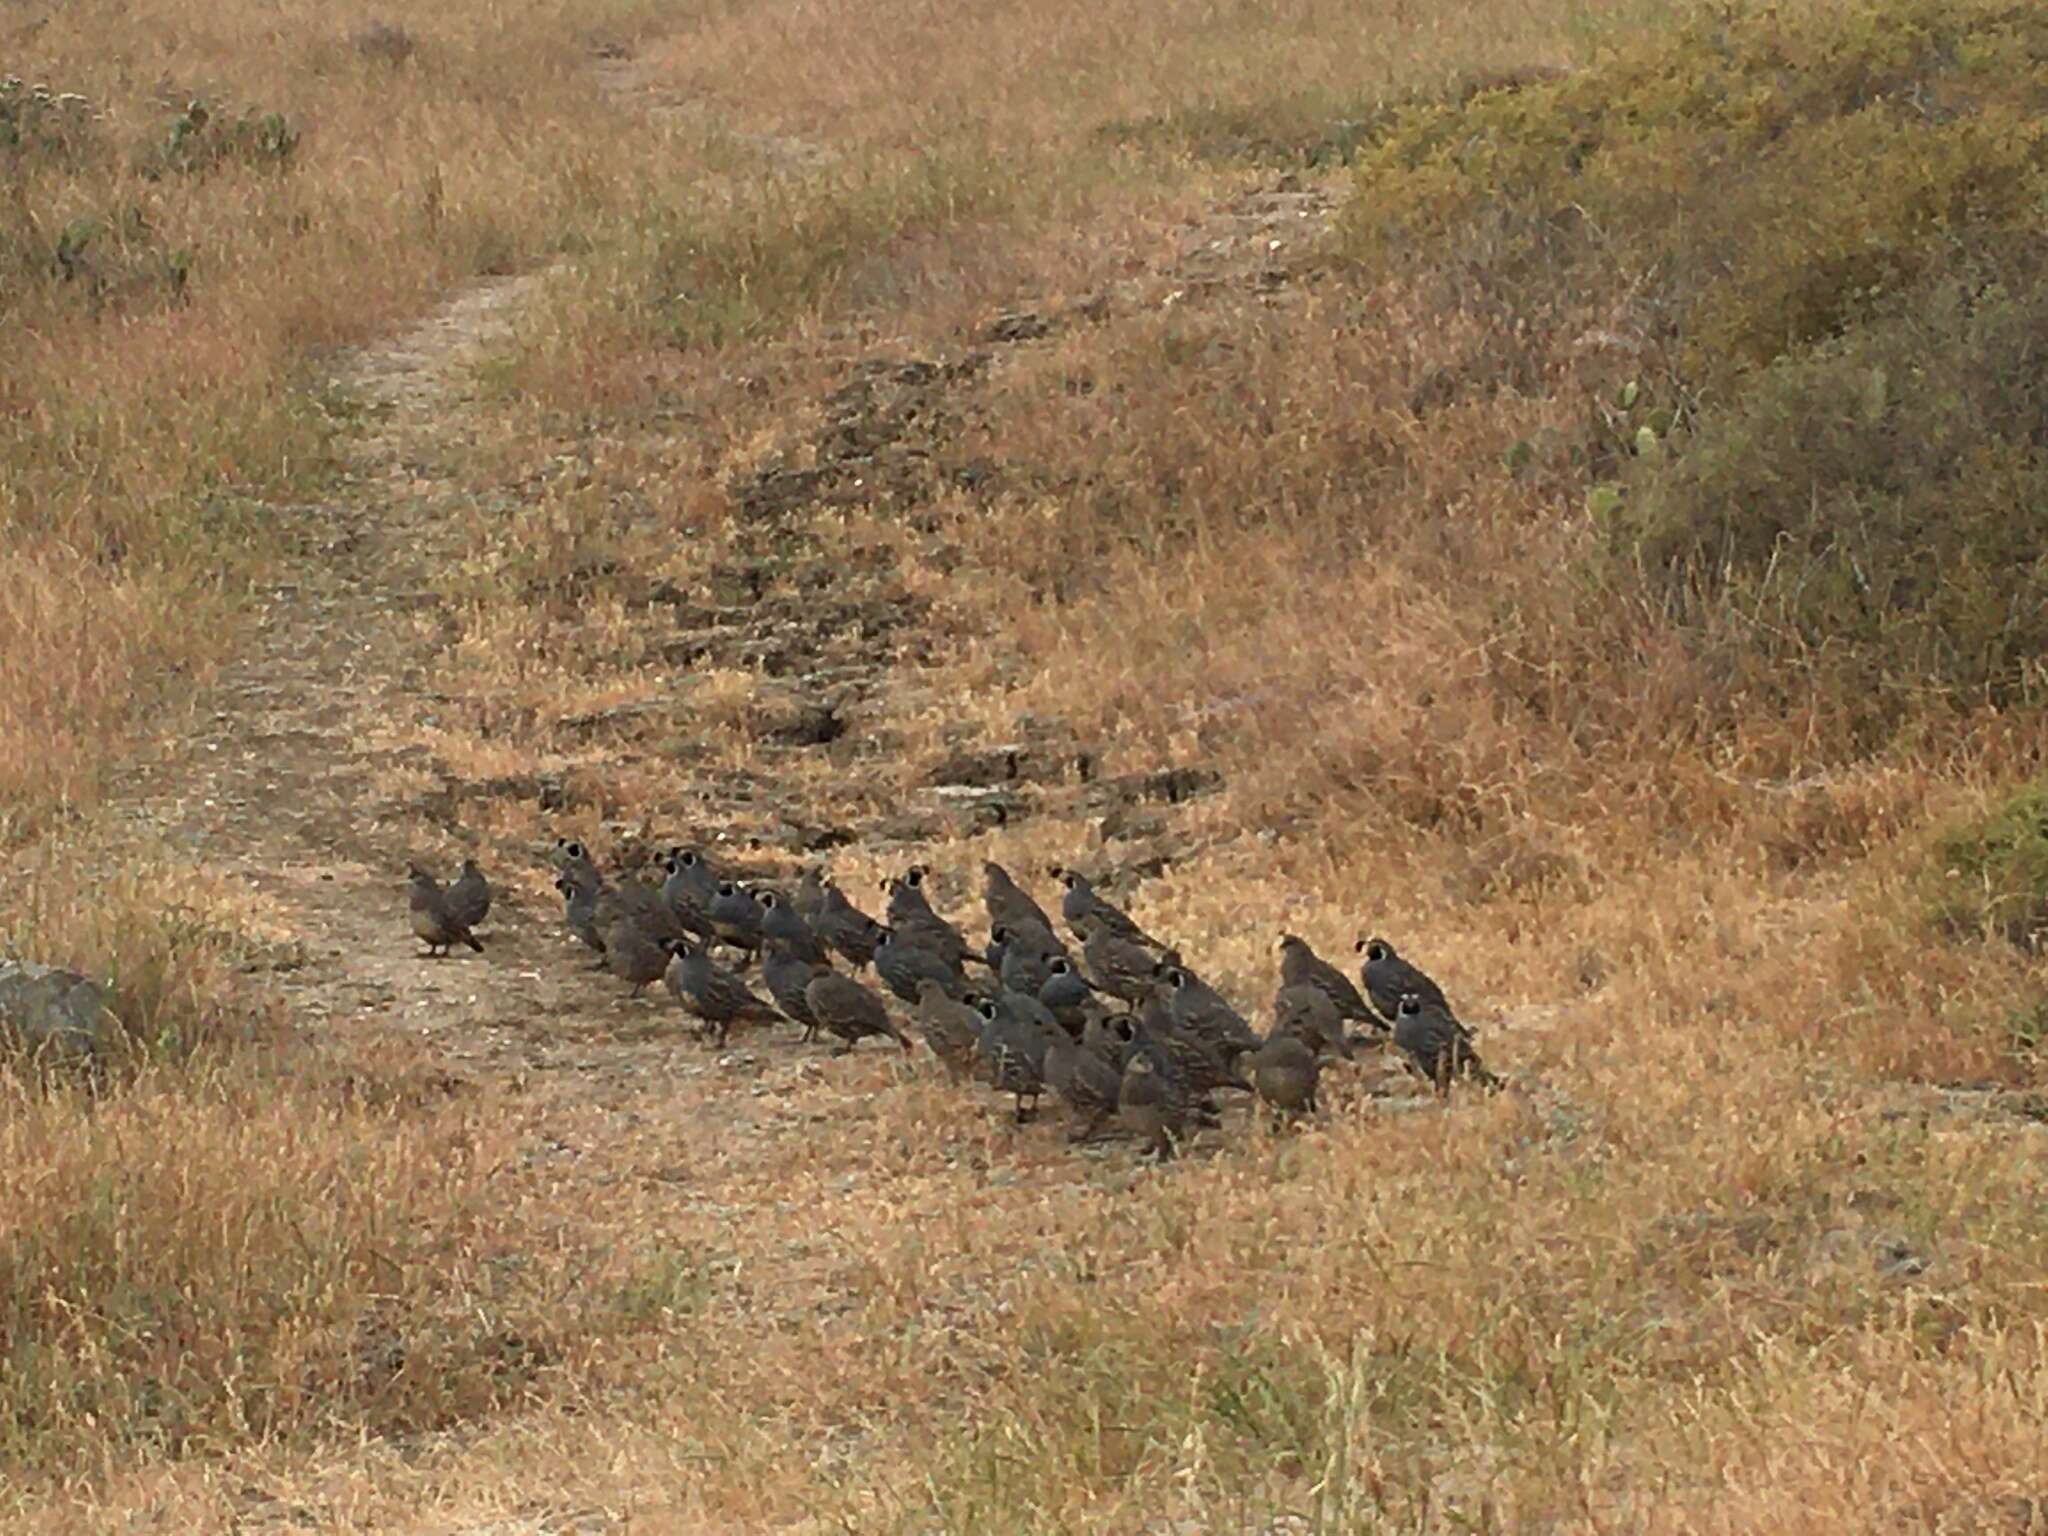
[1009,904]
[845,1008]
[785,975]
[1081,905]
[1388,978]
[1301,966]
[1013,1052]
[1198,1009]
[736,916]
[633,954]
[1082,1075]
[689,889]
[469,897]
[846,928]
[432,922]
[781,923]
[1027,959]
[1150,1107]
[712,993]
[574,860]
[579,913]
[1437,1045]
[910,913]
[1307,1013]
[1067,993]
[1121,967]
[809,894]
[1200,1066]
[950,1027]
[905,965]
[1284,1071]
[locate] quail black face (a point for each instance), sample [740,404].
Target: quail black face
[914,876]
[987,1010]
[1125,1026]
[999,934]
[1176,977]
[1411,1005]
[768,901]
[574,850]
[727,888]
[1378,950]
[1059,966]
[1069,879]
[687,858]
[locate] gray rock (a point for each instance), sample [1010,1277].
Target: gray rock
[42,1008]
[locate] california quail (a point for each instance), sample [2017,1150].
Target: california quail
[1009,904]
[1200,1010]
[786,975]
[1085,1078]
[736,916]
[1067,993]
[1027,959]
[905,965]
[712,993]
[1119,966]
[432,923]
[1013,1051]
[574,860]
[849,1010]
[1388,978]
[1307,1013]
[469,897]
[1284,1070]
[1301,966]
[1192,1061]
[689,889]
[949,1026]
[633,954]
[846,928]
[1150,1107]
[781,923]
[1437,1045]
[910,913]
[1082,905]
[809,895]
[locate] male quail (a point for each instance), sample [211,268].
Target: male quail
[1301,966]
[432,923]
[1013,1051]
[1067,993]
[1437,1045]
[689,889]
[910,913]
[1082,905]
[469,897]
[845,1008]
[809,896]
[1027,959]
[949,1026]
[1200,1010]
[1284,1070]
[579,912]
[1388,978]
[905,965]
[781,923]
[736,916]
[711,992]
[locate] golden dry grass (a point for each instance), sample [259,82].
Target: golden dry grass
[1756,1242]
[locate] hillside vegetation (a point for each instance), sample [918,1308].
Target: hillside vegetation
[1564,485]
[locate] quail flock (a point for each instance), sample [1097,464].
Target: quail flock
[1117,1026]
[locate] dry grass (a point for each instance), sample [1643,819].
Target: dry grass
[1755,1243]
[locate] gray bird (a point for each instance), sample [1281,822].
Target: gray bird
[633,954]
[469,897]
[1067,993]
[905,965]
[1437,1045]
[689,889]
[786,975]
[1284,1071]
[1190,1061]
[736,916]
[1009,904]
[432,923]
[1121,967]
[1200,1010]
[574,860]
[809,896]
[1388,978]
[1081,1074]
[1151,1107]
[845,1008]
[1027,959]
[950,1027]
[1013,1052]
[782,924]
[1307,1013]
[1301,966]
[579,912]
[1082,905]
[910,913]
[846,928]
[711,992]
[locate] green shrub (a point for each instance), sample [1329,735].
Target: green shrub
[1990,876]
[204,137]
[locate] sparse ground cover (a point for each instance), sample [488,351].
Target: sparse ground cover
[1556,484]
